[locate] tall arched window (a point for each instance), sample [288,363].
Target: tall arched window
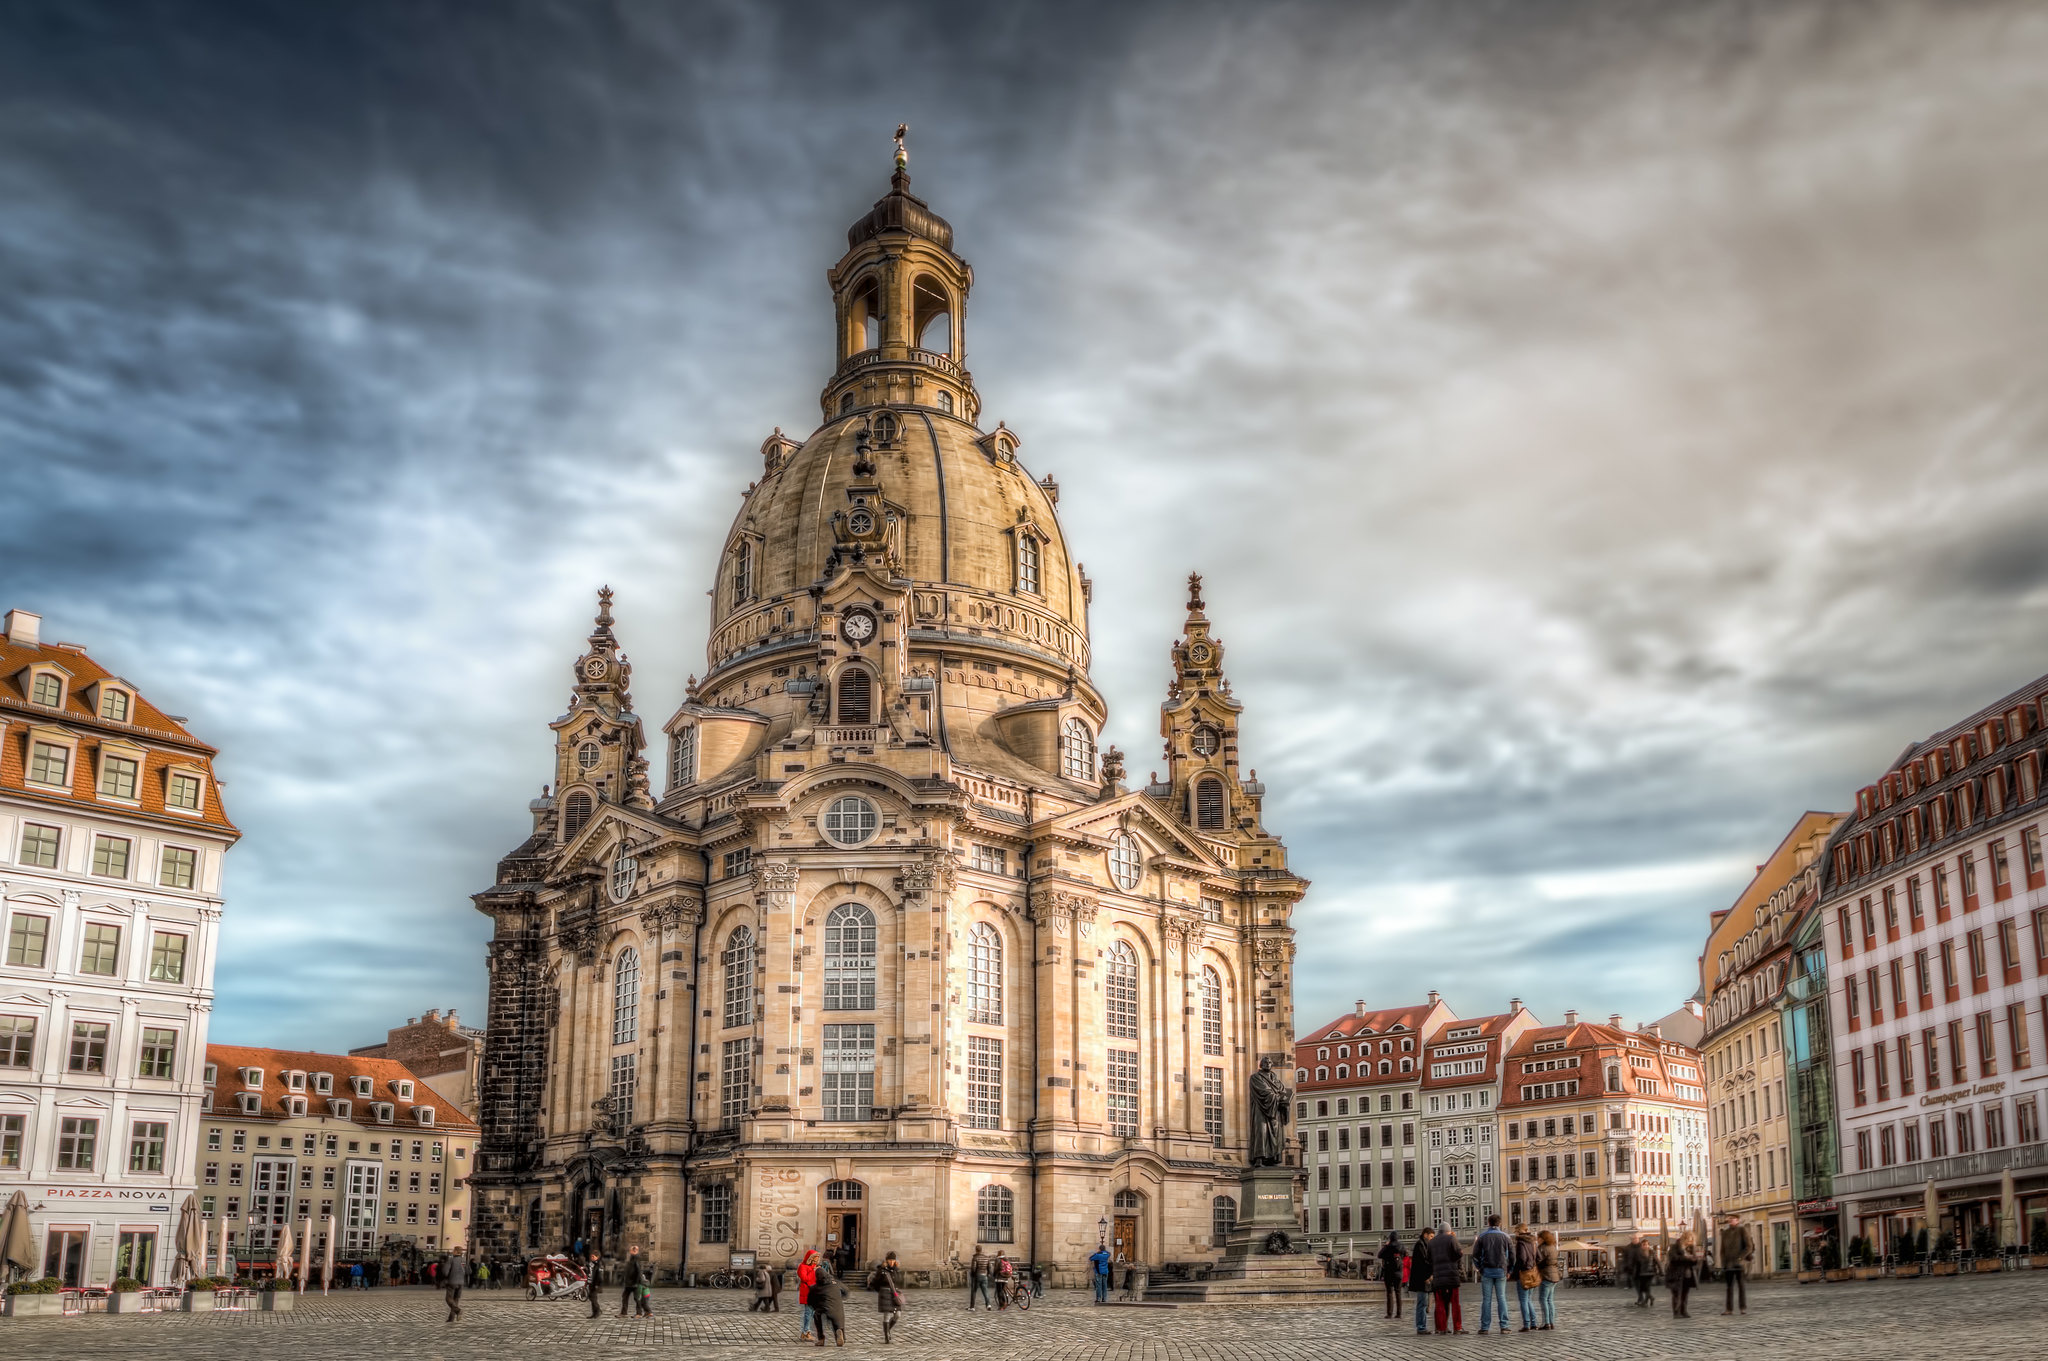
[742,573]
[1209,804]
[1222,1219]
[575,814]
[945,401]
[626,997]
[738,960]
[850,959]
[856,696]
[1077,751]
[682,758]
[994,1214]
[1212,1011]
[1126,865]
[984,975]
[1120,1023]
[1027,563]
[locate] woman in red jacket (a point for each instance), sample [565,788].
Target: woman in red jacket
[806,1277]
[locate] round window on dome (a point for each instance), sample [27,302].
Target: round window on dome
[586,755]
[1126,866]
[850,821]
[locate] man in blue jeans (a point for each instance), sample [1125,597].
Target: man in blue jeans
[1099,1259]
[1492,1250]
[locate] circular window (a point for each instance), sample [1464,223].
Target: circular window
[850,821]
[1125,865]
[1206,741]
[625,873]
[861,522]
[586,755]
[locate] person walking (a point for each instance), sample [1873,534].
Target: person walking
[977,1279]
[355,1274]
[483,1275]
[1492,1252]
[593,1264]
[1549,1271]
[1447,1268]
[1099,1260]
[629,1283]
[828,1296]
[806,1277]
[1681,1273]
[1418,1278]
[886,1281]
[1392,1260]
[450,1274]
[1528,1276]
[767,1291]
[1641,1262]
[1736,1250]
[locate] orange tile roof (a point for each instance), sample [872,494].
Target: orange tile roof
[164,739]
[1406,1021]
[1489,1028]
[275,1063]
[1598,1040]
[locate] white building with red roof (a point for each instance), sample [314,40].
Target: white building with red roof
[112,837]
[1460,1103]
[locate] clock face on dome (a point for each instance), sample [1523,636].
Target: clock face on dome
[594,668]
[858,626]
[1199,654]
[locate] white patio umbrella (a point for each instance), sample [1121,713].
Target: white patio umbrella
[225,1266]
[17,1243]
[283,1268]
[190,1243]
[306,1250]
[327,1260]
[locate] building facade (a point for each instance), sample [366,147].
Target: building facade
[1460,1102]
[1605,1132]
[1810,1072]
[1358,1084]
[1744,971]
[1935,897]
[112,837]
[440,1049]
[291,1137]
[895,936]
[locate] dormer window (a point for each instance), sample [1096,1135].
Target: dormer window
[1027,563]
[118,776]
[182,791]
[423,1114]
[682,758]
[403,1088]
[252,1077]
[338,1108]
[359,1085]
[576,811]
[1077,751]
[248,1103]
[295,1080]
[113,705]
[742,573]
[49,764]
[212,1073]
[323,1083]
[384,1112]
[293,1105]
[47,688]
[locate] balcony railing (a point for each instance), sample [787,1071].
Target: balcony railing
[931,359]
[1963,1167]
[845,736]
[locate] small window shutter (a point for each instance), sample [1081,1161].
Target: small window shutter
[856,703]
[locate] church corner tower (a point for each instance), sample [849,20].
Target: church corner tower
[894,935]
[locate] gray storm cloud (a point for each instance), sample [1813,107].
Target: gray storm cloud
[1607,431]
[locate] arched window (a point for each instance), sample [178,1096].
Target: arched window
[626,998]
[932,316]
[1209,804]
[867,316]
[1120,1023]
[1027,563]
[945,401]
[850,959]
[995,1210]
[625,873]
[682,758]
[1129,1201]
[1212,1011]
[1125,865]
[1077,751]
[856,696]
[984,975]
[845,403]
[1222,1220]
[742,573]
[739,977]
[575,813]
[1343,1071]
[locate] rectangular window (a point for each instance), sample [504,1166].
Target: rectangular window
[1966,1133]
[991,859]
[2029,1120]
[1027,563]
[1967,869]
[27,938]
[1923,979]
[1875,995]
[1212,1105]
[1852,1000]
[2016,1035]
[50,764]
[1856,1071]
[1123,1093]
[984,1082]
[625,1086]
[1994,1126]
[1905,1070]
[175,866]
[17,1041]
[159,1055]
[1842,928]
[1915,908]
[146,1146]
[1987,1052]
[88,1047]
[39,845]
[738,862]
[2030,843]
[1948,970]
[183,792]
[715,1213]
[101,951]
[1881,1061]
[114,706]
[110,856]
[1891,913]
[1898,975]
[849,1072]
[1862,1150]
[1887,1147]
[12,1128]
[735,1081]
[1941,901]
[167,957]
[117,777]
[2001,873]
[1869,921]
[76,1140]
[1937,1137]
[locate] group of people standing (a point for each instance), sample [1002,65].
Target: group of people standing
[1683,1265]
[821,1290]
[1434,1267]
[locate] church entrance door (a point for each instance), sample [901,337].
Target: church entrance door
[1123,1239]
[843,1226]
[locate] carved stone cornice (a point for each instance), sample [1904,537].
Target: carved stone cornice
[1272,953]
[775,876]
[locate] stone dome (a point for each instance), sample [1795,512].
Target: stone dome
[961,505]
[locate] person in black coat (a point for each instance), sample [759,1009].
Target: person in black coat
[886,1281]
[1418,1278]
[828,1297]
[1447,1271]
[1391,1258]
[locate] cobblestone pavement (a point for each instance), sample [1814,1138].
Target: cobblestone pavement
[1991,1316]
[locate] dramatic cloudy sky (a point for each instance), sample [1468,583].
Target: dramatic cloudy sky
[1608,429]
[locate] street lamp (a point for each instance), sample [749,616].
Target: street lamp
[1102,1232]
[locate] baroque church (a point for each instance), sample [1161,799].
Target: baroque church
[895,959]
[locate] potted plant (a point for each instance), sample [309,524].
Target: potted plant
[198,1296]
[2037,1245]
[277,1295]
[1944,1259]
[1831,1260]
[27,1299]
[1984,1243]
[124,1298]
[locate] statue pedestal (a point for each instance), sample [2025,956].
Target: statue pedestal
[1256,1267]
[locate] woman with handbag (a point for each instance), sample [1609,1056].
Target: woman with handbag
[1528,1279]
[886,1281]
[1681,1272]
[1393,1261]
[1549,1272]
